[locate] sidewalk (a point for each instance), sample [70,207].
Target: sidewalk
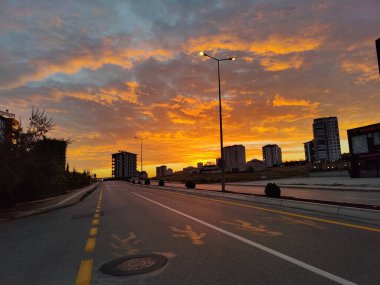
[327,183]
[45,205]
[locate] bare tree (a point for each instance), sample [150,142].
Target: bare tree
[40,124]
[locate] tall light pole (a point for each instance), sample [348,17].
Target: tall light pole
[222,162]
[378,52]
[141,156]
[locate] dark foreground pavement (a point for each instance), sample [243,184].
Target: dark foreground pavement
[206,241]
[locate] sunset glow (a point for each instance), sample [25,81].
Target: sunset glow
[110,71]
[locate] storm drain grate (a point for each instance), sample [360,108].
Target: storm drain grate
[134,265]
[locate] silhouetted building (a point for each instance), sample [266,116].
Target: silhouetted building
[256,165]
[326,139]
[378,52]
[199,164]
[272,155]
[234,157]
[212,169]
[9,127]
[169,171]
[364,143]
[52,153]
[124,165]
[161,171]
[309,151]
[190,169]
[142,174]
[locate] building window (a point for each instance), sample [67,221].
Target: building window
[376,138]
[359,144]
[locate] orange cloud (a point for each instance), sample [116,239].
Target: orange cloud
[280,101]
[307,40]
[275,64]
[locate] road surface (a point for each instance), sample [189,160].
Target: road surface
[205,240]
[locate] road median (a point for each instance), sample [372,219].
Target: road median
[364,215]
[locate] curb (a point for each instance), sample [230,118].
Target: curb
[370,216]
[319,187]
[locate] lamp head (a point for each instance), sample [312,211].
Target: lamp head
[233,58]
[202,53]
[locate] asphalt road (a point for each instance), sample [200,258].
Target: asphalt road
[357,197]
[206,241]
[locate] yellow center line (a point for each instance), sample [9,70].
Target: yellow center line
[85,272]
[285,213]
[93,231]
[90,245]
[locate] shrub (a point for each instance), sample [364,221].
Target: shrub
[147,182]
[190,184]
[161,183]
[272,190]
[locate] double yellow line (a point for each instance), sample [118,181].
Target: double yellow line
[85,268]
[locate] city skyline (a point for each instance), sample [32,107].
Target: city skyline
[109,72]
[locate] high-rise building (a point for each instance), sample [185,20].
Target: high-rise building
[161,170]
[234,157]
[326,139]
[199,165]
[9,127]
[309,151]
[272,155]
[124,165]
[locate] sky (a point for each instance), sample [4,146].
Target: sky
[107,71]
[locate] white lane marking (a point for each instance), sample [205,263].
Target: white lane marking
[297,262]
[65,200]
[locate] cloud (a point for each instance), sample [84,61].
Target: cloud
[280,101]
[107,73]
[278,64]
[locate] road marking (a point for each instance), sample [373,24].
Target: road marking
[85,272]
[93,231]
[85,269]
[285,213]
[90,245]
[258,246]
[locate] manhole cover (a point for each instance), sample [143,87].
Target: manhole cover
[134,264]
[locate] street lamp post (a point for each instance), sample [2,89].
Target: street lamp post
[141,156]
[222,162]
